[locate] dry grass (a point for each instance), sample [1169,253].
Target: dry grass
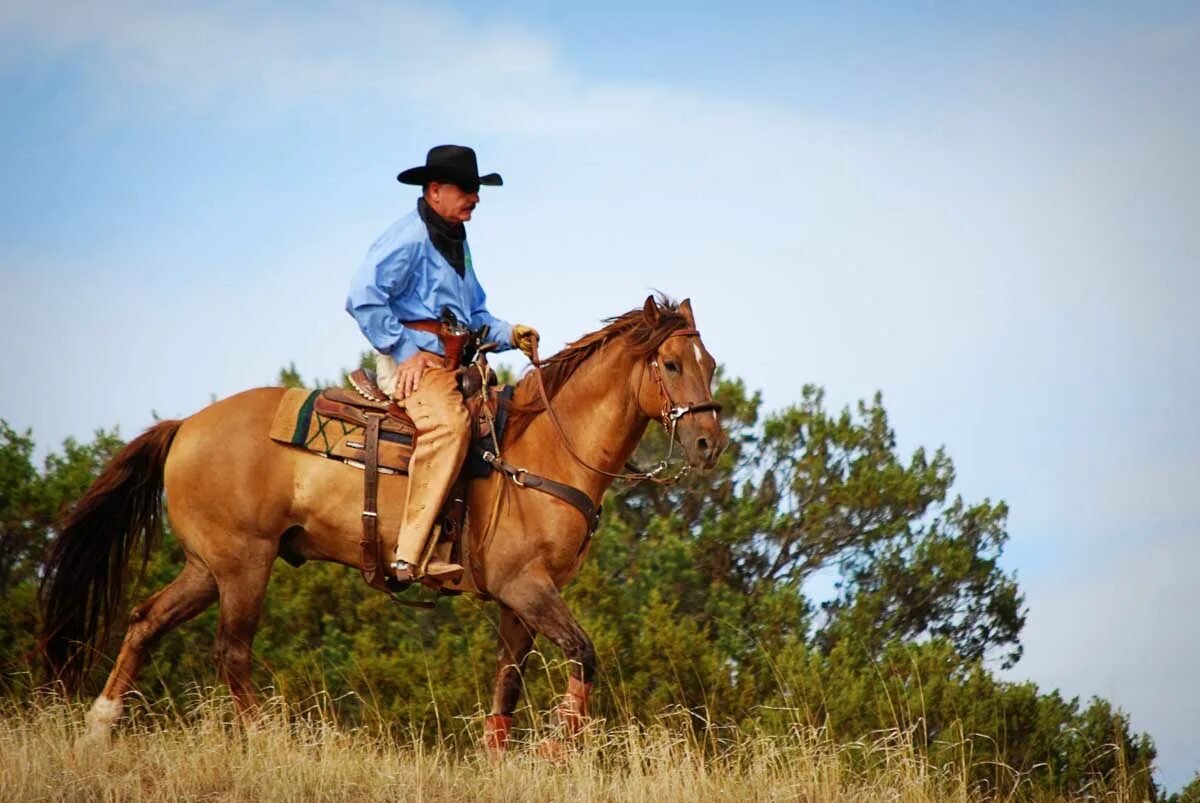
[301,753]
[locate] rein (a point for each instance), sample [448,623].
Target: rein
[523,478]
[670,415]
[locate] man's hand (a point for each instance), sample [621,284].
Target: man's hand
[525,338]
[408,373]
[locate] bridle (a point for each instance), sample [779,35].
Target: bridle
[669,417]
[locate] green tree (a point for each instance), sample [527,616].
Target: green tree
[1189,793]
[30,502]
[23,507]
[809,491]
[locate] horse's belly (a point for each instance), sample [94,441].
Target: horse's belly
[328,504]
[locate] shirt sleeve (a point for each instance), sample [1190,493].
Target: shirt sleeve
[500,332]
[379,280]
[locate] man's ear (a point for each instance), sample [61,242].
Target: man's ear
[685,309]
[650,311]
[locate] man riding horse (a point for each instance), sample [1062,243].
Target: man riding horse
[240,498]
[415,277]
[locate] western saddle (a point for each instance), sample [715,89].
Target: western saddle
[367,406]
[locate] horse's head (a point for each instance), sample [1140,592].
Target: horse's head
[680,394]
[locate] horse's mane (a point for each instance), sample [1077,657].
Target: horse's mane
[642,338]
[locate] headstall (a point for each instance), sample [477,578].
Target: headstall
[670,415]
[523,478]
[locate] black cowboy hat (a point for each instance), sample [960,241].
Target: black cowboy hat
[453,163]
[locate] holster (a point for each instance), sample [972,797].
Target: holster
[452,345]
[453,339]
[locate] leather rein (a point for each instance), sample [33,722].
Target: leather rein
[523,478]
[669,416]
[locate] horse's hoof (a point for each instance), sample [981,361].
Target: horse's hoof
[97,739]
[554,750]
[496,730]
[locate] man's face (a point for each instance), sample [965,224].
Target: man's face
[450,201]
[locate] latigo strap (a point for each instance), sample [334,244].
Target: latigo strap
[369,545]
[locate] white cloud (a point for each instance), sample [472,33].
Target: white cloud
[375,57]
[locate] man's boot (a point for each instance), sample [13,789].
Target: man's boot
[443,571]
[440,570]
[454,513]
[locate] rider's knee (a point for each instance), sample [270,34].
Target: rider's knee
[450,416]
[458,422]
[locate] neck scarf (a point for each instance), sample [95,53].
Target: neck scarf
[448,238]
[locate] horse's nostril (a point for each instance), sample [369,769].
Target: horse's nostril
[702,445]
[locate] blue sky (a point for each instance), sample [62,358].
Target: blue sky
[988,213]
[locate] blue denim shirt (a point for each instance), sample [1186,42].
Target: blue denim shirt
[405,278]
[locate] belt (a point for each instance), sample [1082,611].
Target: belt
[452,344]
[432,327]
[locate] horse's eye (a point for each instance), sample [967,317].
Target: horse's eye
[672,366]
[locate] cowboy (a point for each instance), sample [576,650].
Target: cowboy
[413,275]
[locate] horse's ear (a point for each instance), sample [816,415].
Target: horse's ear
[685,309]
[650,311]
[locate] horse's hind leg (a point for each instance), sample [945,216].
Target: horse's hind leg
[241,594]
[193,590]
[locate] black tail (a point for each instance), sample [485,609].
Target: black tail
[86,567]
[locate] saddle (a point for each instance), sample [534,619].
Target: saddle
[367,399]
[385,423]
[364,428]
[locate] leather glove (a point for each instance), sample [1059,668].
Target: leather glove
[525,338]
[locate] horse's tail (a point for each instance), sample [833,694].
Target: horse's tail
[86,566]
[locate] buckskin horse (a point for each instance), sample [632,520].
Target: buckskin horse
[234,495]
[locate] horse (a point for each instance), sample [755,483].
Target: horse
[234,496]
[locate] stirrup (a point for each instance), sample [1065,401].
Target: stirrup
[402,572]
[444,571]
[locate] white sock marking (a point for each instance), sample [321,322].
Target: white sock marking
[104,712]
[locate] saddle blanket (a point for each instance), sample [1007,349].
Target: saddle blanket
[297,422]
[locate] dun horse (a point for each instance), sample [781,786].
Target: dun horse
[234,495]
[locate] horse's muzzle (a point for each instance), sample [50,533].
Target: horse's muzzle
[706,449]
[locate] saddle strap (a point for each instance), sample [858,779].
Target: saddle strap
[370,516]
[567,493]
[370,545]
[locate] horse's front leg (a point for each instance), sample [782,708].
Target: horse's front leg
[516,640]
[535,599]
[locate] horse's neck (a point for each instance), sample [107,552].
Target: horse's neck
[599,412]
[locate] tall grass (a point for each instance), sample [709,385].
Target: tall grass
[196,750]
